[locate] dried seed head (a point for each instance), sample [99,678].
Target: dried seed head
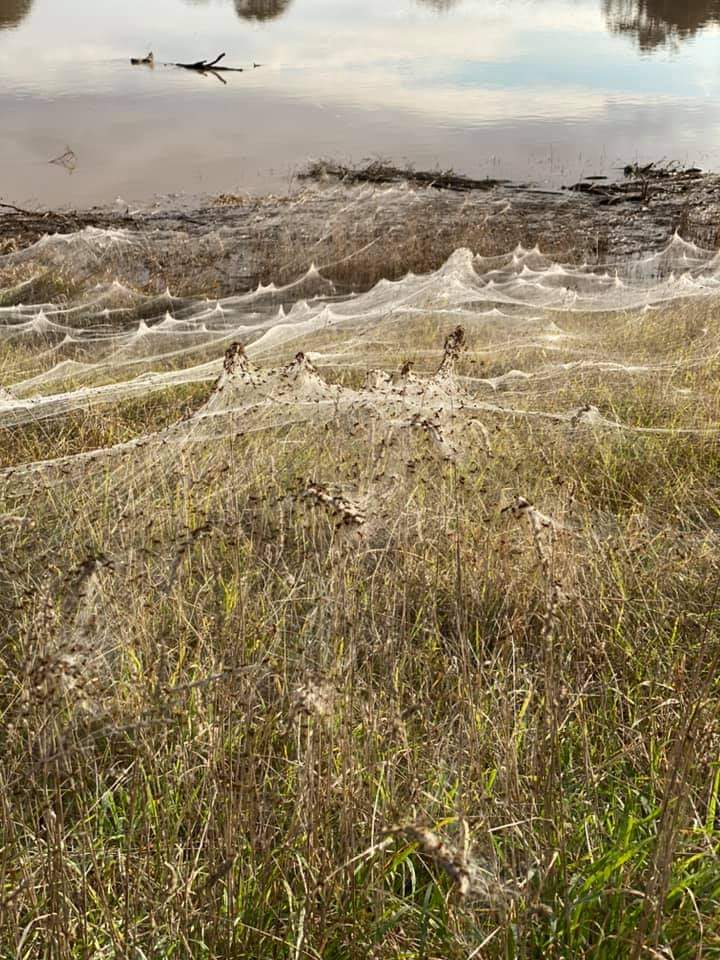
[235,358]
[347,513]
[68,668]
[543,529]
[434,431]
[454,347]
[587,413]
[452,862]
[312,699]
[469,877]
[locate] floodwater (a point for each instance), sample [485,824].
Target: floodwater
[525,89]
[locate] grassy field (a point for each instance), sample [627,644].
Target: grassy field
[421,669]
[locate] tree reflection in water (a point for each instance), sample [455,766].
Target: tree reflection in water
[657,23]
[441,5]
[13,12]
[261,9]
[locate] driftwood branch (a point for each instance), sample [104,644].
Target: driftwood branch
[200,66]
[23,211]
[209,65]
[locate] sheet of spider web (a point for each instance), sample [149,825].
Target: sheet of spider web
[316,399]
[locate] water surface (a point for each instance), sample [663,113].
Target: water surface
[526,89]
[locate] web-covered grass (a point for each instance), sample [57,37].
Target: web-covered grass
[361,625]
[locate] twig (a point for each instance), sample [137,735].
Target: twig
[27,213]
[202,66]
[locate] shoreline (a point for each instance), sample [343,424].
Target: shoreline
[363,230]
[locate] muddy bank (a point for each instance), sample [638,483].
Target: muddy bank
[358,230]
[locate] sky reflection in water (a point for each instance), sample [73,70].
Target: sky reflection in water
[520,88]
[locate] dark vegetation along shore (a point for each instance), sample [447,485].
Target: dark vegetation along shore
[349,619]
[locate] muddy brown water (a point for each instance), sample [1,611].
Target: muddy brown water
[524,89]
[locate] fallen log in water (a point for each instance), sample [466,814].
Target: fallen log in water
[201,66]
[209,65]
